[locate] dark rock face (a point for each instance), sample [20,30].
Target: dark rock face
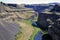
[37,7]
[53,29]
[42,19]
[14,5]
[56,8]
[46,37]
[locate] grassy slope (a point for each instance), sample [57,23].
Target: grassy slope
[34,33]
[27,30]
[36,30]
[26,34]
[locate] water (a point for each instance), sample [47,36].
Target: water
[38,36]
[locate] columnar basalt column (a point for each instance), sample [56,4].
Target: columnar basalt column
[54,30]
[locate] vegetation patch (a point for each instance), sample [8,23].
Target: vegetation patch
[30,30]
[36,30]
[19,32]
[26,30]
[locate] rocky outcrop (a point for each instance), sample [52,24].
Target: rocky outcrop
[42,19]
[15,11]
[54,30]
[56,8]
[48,20]
[8,30]
[52,15]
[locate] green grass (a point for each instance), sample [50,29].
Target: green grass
[35,19]
[19,33]
[36,30]
[27,22]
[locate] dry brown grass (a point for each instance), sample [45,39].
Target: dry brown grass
[24,15]
[27,31]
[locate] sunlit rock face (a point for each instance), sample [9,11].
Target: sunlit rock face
[8,30]
[1,7]
[15,12]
